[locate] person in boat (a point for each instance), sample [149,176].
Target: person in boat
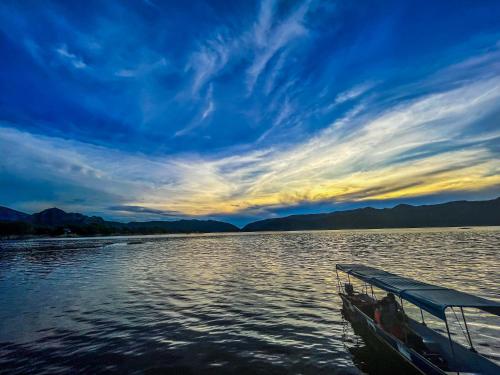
[390,316]
[349,289]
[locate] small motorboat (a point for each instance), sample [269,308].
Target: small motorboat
[428,351]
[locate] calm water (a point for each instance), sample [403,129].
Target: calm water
[247,303]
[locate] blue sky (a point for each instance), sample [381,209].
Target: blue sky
[244,110]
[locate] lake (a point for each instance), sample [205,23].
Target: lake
[220,303]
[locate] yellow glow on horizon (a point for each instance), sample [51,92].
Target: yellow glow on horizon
[438,174]
[417,148]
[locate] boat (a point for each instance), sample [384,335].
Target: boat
[414,342]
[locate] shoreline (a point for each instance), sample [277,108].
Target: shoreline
[241,232]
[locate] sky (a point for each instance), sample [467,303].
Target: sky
[243,110]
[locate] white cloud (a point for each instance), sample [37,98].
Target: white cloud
[71,58]
[210,59]
[275,73]
[353,93]
[269,40]
[361,156]
[205,114]
[259,45]
[142,69]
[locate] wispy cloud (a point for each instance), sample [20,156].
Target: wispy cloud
[210,106]
[275,73]
[266,38]
[203,116]
[142,69]
[210,59]
[353,93]
[145,210]
[269,39]
[72,59]
[362,157]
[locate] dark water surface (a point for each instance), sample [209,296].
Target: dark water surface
[246,303]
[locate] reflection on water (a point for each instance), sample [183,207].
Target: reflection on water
[218,303]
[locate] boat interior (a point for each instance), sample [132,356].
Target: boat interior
[428,343]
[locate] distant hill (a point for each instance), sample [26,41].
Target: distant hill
[8,214]
[452,214]
[57,217]
[54,221]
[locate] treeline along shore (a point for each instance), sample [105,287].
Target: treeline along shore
[56,222]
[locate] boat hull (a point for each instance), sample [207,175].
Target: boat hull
[366,326]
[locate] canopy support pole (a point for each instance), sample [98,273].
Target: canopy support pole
[467,330]
[371,287]
[422,315]
[449,337]
[338,281]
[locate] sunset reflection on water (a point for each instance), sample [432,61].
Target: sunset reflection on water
[256,302]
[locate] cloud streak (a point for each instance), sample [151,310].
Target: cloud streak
[386,156]
[145,210]
[268,40]
[71,58]
[259,44]
[203,116]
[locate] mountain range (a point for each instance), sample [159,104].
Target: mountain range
[451,214]
[54,221]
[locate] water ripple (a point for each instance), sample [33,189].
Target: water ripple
[248,303]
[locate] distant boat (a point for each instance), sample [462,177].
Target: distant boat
[414,342]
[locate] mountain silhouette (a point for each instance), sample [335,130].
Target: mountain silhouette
[54,221]
[451,214]
[8,214]
[55,216]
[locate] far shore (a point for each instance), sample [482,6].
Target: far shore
[241,232]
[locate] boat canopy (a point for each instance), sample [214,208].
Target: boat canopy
[432,298]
